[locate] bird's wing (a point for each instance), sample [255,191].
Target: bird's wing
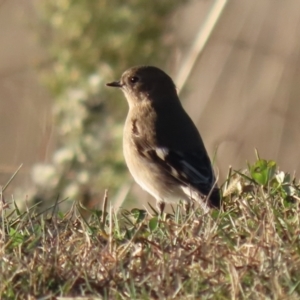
[192,169]
[189,168]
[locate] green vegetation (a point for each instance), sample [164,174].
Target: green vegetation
[249,250]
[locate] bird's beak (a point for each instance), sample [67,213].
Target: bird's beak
[115,84]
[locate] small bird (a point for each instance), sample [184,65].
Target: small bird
[162,147]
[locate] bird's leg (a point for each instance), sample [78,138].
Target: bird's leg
[161,207]
[188,206]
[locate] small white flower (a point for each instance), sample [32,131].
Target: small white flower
[63,155]
[44,175]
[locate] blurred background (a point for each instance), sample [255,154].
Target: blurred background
[236,64]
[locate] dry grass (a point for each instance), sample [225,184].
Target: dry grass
[249,250]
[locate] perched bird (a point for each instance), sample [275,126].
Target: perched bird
[162,147]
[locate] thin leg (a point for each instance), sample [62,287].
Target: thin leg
[188,207]
[161,206]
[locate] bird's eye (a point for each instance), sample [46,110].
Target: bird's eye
[134,79]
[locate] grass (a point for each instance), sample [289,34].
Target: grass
[249,250]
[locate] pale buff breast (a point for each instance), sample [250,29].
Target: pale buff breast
[147,174]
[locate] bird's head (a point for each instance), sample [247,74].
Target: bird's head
[145,83]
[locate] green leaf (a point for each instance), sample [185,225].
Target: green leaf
[17,237]
[263,171]
[153,223]
[139,214]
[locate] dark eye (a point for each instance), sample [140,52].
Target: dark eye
[134,79]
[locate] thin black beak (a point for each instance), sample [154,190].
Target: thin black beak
[114,84]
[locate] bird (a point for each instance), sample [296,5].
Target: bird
[163,149]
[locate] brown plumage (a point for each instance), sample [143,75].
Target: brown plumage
[162,147]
